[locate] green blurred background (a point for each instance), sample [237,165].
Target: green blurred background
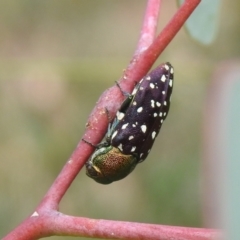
[56,58]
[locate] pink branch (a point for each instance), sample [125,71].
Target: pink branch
[141,64]
[127,230]
[149,26]
[54,195]
[95,131]
[46,221]
[64,225]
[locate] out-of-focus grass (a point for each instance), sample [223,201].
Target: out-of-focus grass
[55,60]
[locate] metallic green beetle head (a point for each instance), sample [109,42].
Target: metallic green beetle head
[108,164]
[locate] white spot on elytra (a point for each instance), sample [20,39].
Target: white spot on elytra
[163,92]
[153,134]
[163,78]
[170,82]
[166,67]
[152,85]
[114,134]
[160,114]
[164,114]
[165,103]
[162,121]
[155,114]
[141,88]
[158,104]
[171,71]
[134,103]
[139,109]
[144,128]
[120,115]
[133,149]
[141,155]
[134,91]
[120,147]
[148,78]
[152,103]
[133,125]
[124,125]
[130,137]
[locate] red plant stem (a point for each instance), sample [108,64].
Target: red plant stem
[64,225]
[97,123]
[47,221]
[128,230]
[65,178]
[141,64]
[95,130]
[148,30]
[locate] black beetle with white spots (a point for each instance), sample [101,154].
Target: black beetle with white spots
[133,131]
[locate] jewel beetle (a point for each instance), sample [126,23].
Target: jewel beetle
[132,133]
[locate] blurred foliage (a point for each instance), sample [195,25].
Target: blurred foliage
[203,24]
[56,58]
